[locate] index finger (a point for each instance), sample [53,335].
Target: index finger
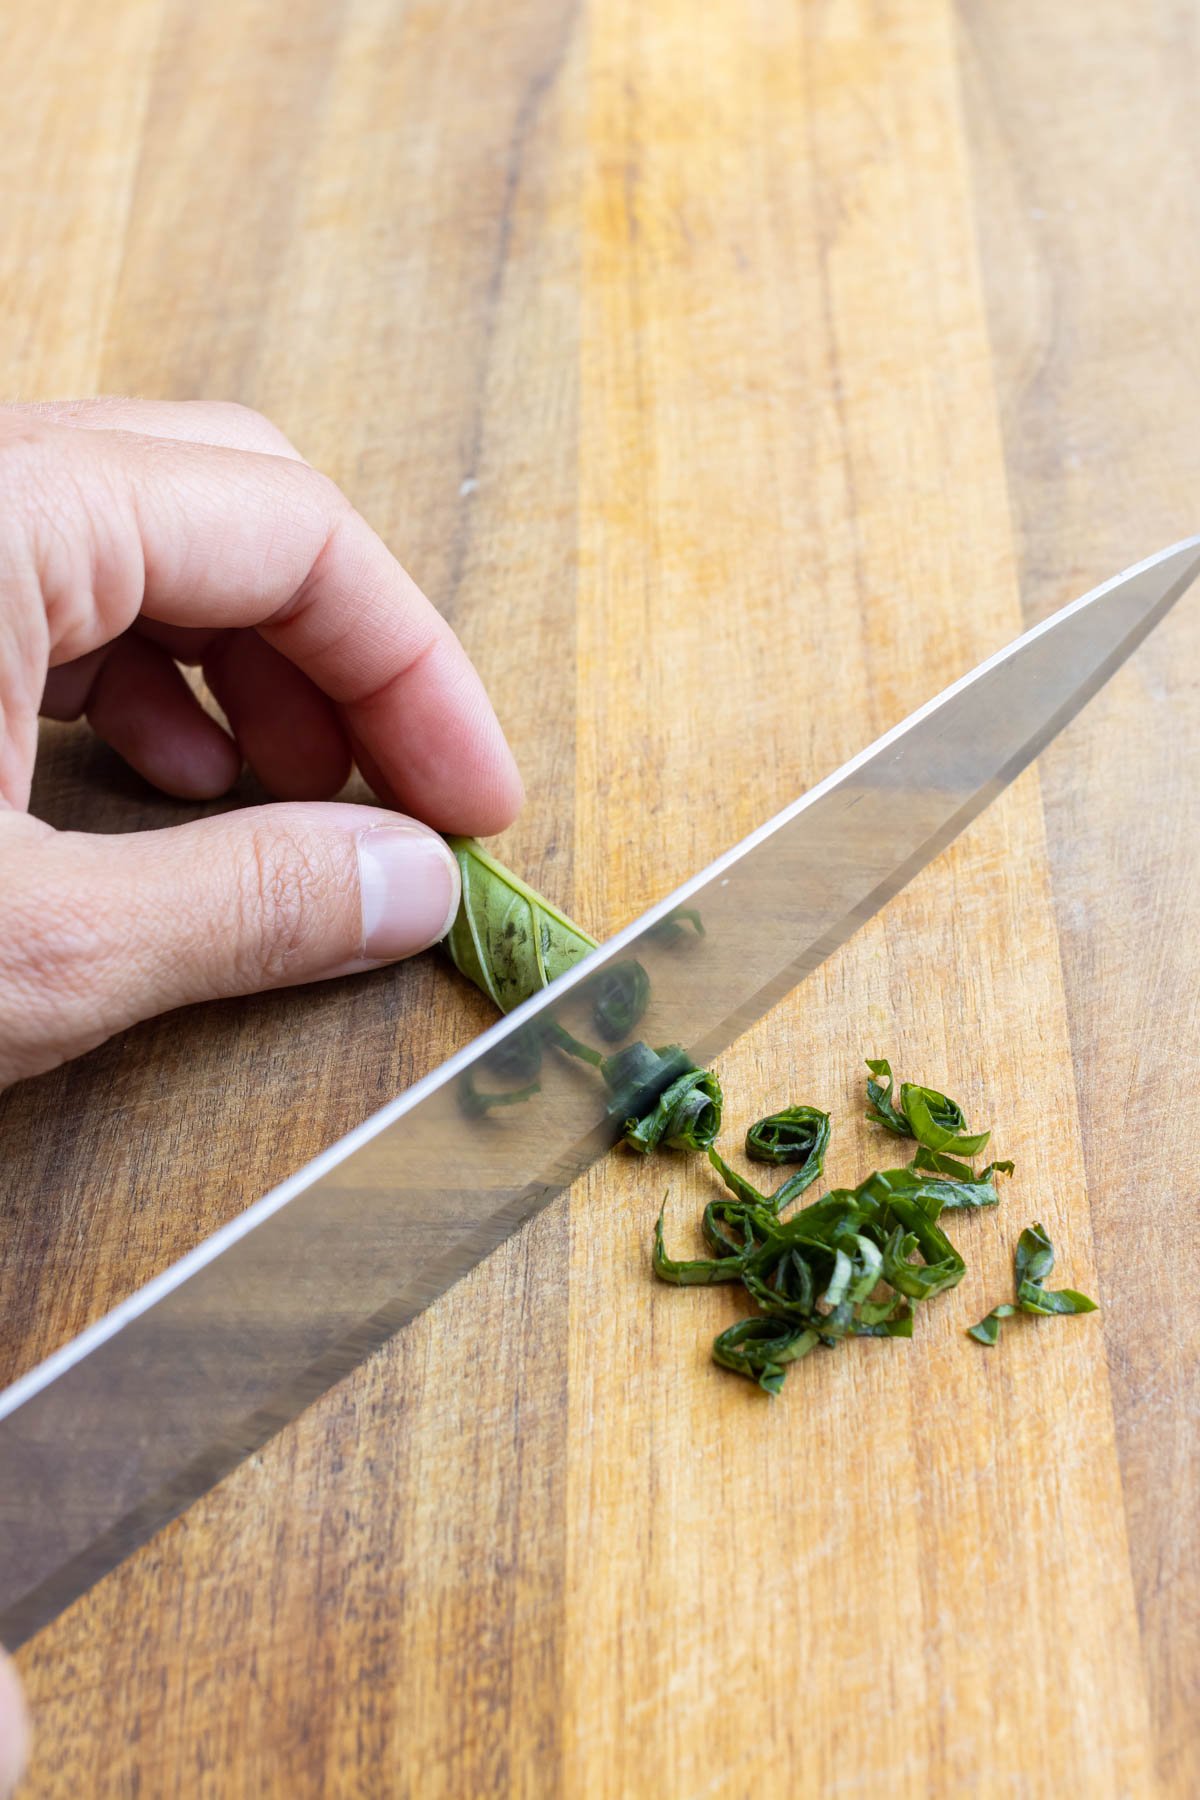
[201,535]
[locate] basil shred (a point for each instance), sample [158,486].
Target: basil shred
[1034,1261]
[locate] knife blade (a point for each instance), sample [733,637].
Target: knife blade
[124,1426]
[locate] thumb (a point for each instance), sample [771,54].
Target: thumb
[14,1728]
[97,932]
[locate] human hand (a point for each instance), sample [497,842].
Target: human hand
[14,1733]
[135,535]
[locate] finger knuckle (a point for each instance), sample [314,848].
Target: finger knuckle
[55,963]
[51,949]
[25,446]
[255,429]
[334,508]
[279,905]
[53,491]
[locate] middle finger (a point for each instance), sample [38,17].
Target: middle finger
[285,727]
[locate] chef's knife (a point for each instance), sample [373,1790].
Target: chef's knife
[123,1427]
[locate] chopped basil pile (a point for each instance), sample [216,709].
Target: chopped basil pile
[858,1261]
[854,1263]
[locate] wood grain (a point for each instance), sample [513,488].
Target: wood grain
[1098,371]
[732,376]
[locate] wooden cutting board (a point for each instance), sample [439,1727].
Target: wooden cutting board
[733,376]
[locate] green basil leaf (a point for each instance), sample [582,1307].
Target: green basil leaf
[879,1187]
[749,1195]
[637,1073]
[733,1229]
[988,1330]
[838,1213]
[797,1134]
[879,1099]
[892,1317]
[783,1280]
[686,1116]
[1035,1256]
[936,1162]
[670,929]
[761,1350]
[699,1272]
[506,938]
[739,1187]
[519,1057]
[1034,1261]
[894,1325]
[554,1032]
[638,1077]
[942,1267]
[932,1118]
[868,1271]
[965,1189]
[937,1122]
[839,1280]
[1032,1297]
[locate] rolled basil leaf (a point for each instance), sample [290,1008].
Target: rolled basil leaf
[933,1119]
[511,942]
[686,1116]
[507,939]
[638,1076]
[797,1134]
[761,1350]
